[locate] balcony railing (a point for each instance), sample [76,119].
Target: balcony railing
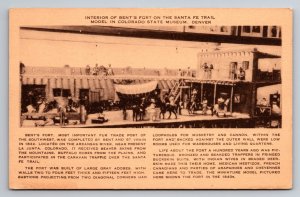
[220,74]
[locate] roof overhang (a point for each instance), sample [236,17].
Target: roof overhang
[156,34]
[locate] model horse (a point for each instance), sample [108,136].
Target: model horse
[163,109]
[167,107]
[172,108]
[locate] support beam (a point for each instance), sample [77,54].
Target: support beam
[253,100]
[215,93]
[201,95]
[231,99]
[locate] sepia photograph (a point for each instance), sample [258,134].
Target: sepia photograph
[184,76]
[150,99]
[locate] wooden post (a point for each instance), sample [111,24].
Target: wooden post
[201,93]
[47,87]
[253,99]
[180,94]
[215,93]
[231,98]
[75,94]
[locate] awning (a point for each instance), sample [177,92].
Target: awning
[34,81]
[136,88]
[73,83]
[166,84]
[66,82]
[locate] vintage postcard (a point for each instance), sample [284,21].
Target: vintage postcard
[150,98]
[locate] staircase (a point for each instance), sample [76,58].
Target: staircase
[175,91]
